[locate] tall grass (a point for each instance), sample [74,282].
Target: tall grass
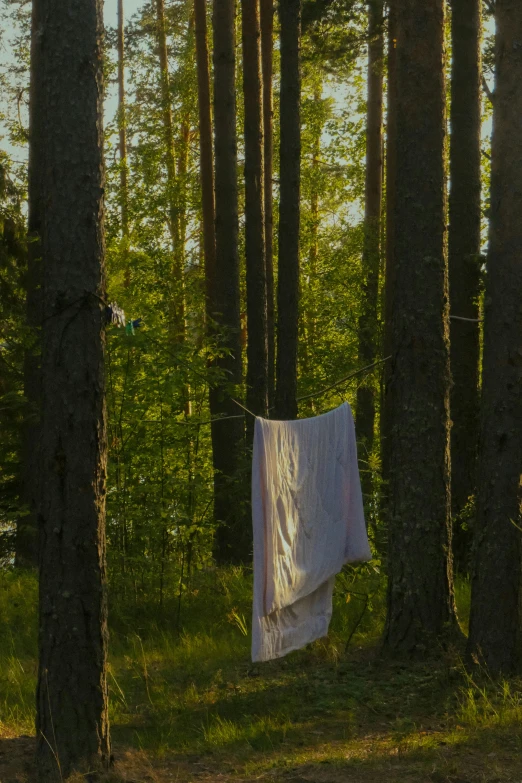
[180,674]
[18,632]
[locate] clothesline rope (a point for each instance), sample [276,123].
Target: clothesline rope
[328,388]
[242,406]
[343,380]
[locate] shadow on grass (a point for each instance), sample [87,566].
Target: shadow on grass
[17,760]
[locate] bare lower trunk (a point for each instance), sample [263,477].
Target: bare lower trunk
[495,622]
[290,162]
[72,714]
[420,589]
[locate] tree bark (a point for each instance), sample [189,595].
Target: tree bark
[177,301]
[307,341]
[205,153]
[495,622]
[72,716]
[386,413]
[233,538]
[257,345]
[122,121]
[420,590]
[368,321]
[464,257]
[26,541]
[267,47]
[289,195]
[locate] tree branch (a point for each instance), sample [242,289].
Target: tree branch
[485,87]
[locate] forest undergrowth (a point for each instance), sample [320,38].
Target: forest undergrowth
[188,704]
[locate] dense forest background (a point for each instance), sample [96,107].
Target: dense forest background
[303,204]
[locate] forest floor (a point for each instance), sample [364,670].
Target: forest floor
[188,705]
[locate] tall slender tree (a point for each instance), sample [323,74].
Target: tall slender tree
[289,195]
[368,321]
[177,301]
[233,540]
[420,590]
[257,345]
[267,54]
[386,412]
[206,164]
[464,256]
[496,620]
[26,545]
[122,121]
[67,159]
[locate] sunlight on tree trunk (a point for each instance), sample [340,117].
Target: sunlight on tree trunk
[72,687]
[495,631]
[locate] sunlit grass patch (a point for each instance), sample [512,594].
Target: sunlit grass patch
[18,628]
[483,701]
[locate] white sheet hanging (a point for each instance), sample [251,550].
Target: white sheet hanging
[308,521]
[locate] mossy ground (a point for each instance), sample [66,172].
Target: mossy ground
[188,705]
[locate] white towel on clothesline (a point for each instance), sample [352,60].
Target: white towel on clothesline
[308,521]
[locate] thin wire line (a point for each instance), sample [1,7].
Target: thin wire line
[461,318]
[342,380]
[245,409]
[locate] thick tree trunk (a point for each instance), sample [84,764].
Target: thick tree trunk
[420,590]
[495,622]
[464,257]
[233,538]
[72,718]
[267,47]
[289,190]
[206,166]
[257,345]
[368,321]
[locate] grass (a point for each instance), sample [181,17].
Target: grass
[187,702]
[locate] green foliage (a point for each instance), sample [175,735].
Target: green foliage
[184,692]
[12,318]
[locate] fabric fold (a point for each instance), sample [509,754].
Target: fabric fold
[308,521]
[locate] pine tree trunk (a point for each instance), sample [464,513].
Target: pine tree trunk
[205,153]
[177,300]
[464,257]
[257,345]
[313,258]
[289,190]
[122,121]
[72,716]
[368,321]
[26,541]
[495,622]
[420,590]
[386,412]
[233,537]
[267,46]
